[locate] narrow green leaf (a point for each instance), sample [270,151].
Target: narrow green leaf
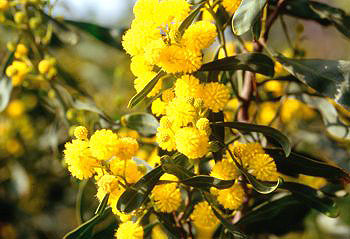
[228,225]
[300,164]
[144,123]
[144,92]
[135,195]
[89,105]
[189,19]
[265,130]
[246,15]
[328,77]
[172,166]
[85,230]
[313,198]
[254,62]
[206,182]
[268,210]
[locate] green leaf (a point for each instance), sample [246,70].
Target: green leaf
[168,223]
[206,182]
[328,77]
[260,186]
[85,230]
[265,130]
[135,195]
[246,15]
[5,84]
[102,34]
[144,123]
[313,198]
[228,225]
[319,12]
[301,164]
[173,166]
[89,105]
[189,19]
[144,92]
[268,210]
[254,62]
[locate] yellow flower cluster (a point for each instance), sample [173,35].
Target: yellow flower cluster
[129,230]
[155,42]
[203,217]
[106,155]
[19,68]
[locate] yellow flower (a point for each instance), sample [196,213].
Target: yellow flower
[180,112]
[4,5]
[158,233]
[290,108]
[199,35]
[81,132]
[203,216]
[231,198]
[127,147]
[153,50]
[143,80]
[168,95]
[166,138]
[215,96]
[78,157]
[21,51]
[47,67]
[127,169]
[192,142]
[231,6]
[167,197]
[188,85]
[274,86]
[17,71]
[109,184]
[104,144]
[267,112]
[139,65]
[145,9]
[129,230]
[158,107]
[245,152]
[169,11]
[225,170]
[16,108]
[263,167]
[175,59]
[204,125]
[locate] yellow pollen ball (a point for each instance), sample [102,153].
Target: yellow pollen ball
[81,132]
[103,144]
[263,167]
[199,35]
[158,107]
[127,169]
[16,108]
[165,138]
[192,142]
[21,51]
[215,96]
[231,198]
[129,230]
[180,112]
[188,85]
[225,170]
[4,5]
[203,216]
[168,95]
[231,6]
[127,147]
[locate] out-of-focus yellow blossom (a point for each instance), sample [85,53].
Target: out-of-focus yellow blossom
[231,5]
[312,181]
[47,67]
[274,86]
[168,95]
[230,48]
[20,17]
[21,51]
[128,133]
[267,112]
[17,71]
[143,80]
[158,233]
[249,46]
[230,109]
[104,144]
[215,96]
[181,112]
[15,109]
[78,157]
[188,86]
[203,216]
[167,197]
[158,107]
[127,169]
[192,142]
[295,109]
[127,147]
[263,167]
[231,198]
[225,170]
[4,5]
[14,147]
[129,230]
[199,35]
[80,132]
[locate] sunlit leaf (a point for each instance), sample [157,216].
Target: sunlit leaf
[328,77]
[312,198]
[265,130]
[206,182]
[147,89]
[254,62]
[144,123]
[246,15]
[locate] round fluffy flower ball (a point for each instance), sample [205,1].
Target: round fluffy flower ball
[225,170]
[108,184]
[199,35]
[127,169]
[127,147]
[81,132]
[103,144]
[165,138]
[263,167]
[129,230]
[188,85]
[231,198]
[181,112]
[215,96]
[203,216]
[192,142]
[78,157]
